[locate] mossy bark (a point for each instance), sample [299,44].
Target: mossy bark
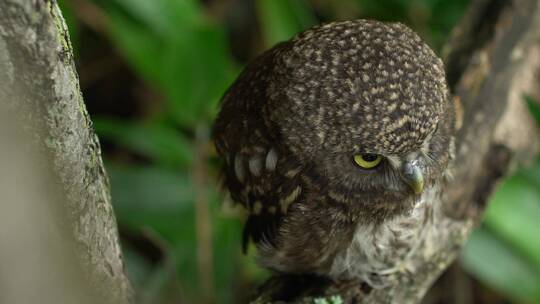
[39,83]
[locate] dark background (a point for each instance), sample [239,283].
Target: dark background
[152,73]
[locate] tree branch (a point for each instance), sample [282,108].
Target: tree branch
[492,61]
[38,82]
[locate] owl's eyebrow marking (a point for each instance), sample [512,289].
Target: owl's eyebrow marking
[411,156]
[394,161]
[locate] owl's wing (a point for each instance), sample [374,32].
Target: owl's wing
[266,183]
[259,174]
[267,191]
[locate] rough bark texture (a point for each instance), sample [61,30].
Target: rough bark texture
[38,82]
[493,59]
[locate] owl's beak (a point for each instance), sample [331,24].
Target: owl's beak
[413,176]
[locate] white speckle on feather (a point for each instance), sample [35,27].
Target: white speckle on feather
[239,168]
[271,160]
[255,166]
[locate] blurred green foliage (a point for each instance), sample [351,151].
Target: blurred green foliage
[281,19]
[176,48]
[160,201]
[505,251]
[180,49]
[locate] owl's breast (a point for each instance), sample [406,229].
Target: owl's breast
[378,251]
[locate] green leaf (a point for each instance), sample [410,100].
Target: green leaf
[532,173]
[178,50]
[282,19]
[443,16]
[196,71]
[161,286]
[514,214]
[161,200]
[389,10]
[161,16]
[505,252]
[138,268]
[158,142]
[495,263]
[139,45]
[147,197]
[534,108]
[154,282]
[140,192]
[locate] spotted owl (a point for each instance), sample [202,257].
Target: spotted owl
[336,143]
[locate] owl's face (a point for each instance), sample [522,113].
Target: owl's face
[366,112]
[385,181]
[382,182]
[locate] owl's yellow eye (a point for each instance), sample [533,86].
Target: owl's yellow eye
[367,160]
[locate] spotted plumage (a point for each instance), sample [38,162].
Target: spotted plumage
[302,124]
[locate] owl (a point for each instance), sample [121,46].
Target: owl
[336,143]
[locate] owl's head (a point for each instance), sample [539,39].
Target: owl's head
[365,106]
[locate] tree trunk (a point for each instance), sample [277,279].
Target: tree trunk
[39,85]
[493,60]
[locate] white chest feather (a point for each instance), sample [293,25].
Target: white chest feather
[378,251]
